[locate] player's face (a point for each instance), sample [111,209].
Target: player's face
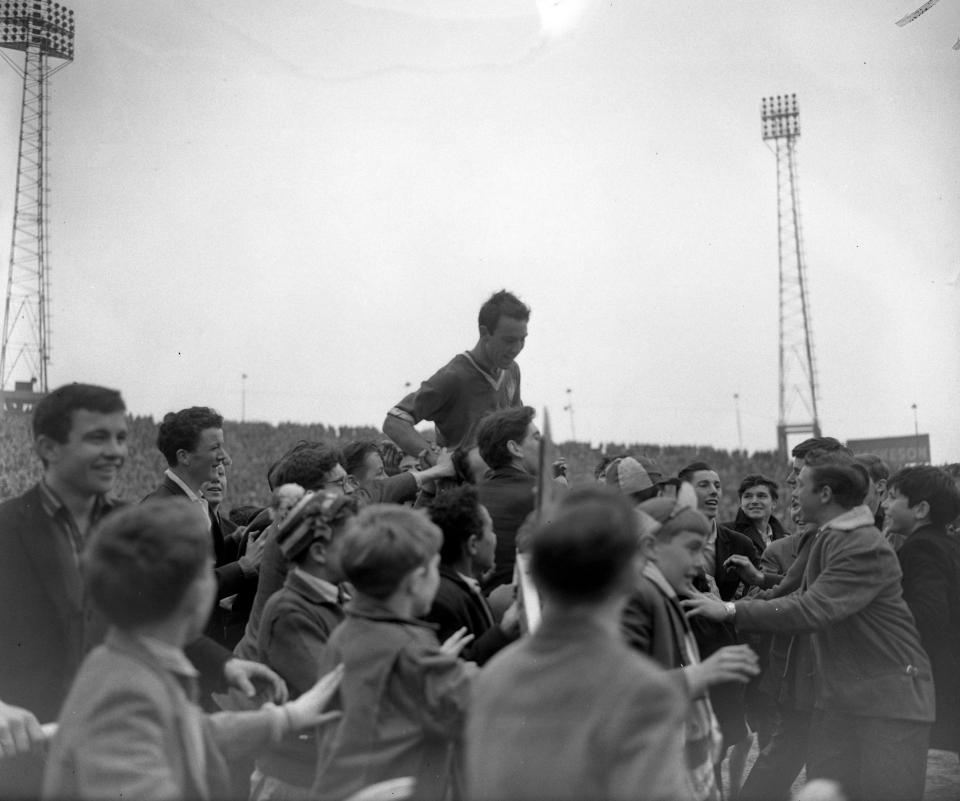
[681,560]
[706,483]
[757,503]
[483,559]
[504,343]
[89,462]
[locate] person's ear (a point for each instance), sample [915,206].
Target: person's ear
[514,449]
[648,548]
[881,488]
[183,457]
[484,332]
[472,544]
[921,511]
[48,449]
[318,552]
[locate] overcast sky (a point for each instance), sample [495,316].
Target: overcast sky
[320,195]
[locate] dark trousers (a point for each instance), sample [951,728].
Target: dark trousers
[780,761]
[873,759]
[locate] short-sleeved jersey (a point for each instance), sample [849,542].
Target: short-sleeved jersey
[457,396]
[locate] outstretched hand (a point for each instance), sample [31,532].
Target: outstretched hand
[307,710]
[731,663]
[705,606]
[456,642]
[747,571]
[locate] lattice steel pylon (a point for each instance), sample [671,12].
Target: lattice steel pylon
[780,118]
[43,30]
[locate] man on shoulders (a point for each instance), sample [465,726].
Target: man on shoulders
[469,386]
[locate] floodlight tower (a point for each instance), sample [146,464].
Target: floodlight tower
[780,119]
[43,30]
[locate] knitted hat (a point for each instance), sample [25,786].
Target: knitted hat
[313,519]
[631,475]
[674,516]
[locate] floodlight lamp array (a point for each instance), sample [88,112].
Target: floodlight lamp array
[780,117]
[45,23]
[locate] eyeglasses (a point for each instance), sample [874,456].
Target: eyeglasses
[344,482]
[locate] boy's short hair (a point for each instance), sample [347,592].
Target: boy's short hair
[848,479]
[181,430]
[497,429]
[758,480]
[877,469]
[383,544]
[582,553]
[674,518]
[53,416]
[930,484]
[355,452]
[456,512]
[140,562]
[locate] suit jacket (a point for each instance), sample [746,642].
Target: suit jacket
[455,606]
[930,560]
[731,542]
[571,713]
[231,579]
[127,729]
[745,526]
[866,653]
[45,625]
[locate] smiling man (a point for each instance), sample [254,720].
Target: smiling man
[722,542]
[191,440]
[469,386]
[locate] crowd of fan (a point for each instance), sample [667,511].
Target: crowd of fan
[255,446]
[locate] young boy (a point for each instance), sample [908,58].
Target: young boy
[130,727]
[296,625]
[403,694]
[921,501]
[571,712]
[654,624]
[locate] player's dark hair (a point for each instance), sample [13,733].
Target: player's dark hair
[877,469]
[848,480]
[687,473]
[757,480]
[355,452]
[827,444]
[502,304]
[307,464]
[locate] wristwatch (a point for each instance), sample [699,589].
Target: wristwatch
[731,610]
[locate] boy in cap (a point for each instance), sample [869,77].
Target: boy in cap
[404,694]
[296,625]
[653,623]
[640,477]
[130,726]
[571,712]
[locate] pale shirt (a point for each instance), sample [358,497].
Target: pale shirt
[710,550]
[190,494]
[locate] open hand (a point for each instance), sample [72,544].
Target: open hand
[456,642]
